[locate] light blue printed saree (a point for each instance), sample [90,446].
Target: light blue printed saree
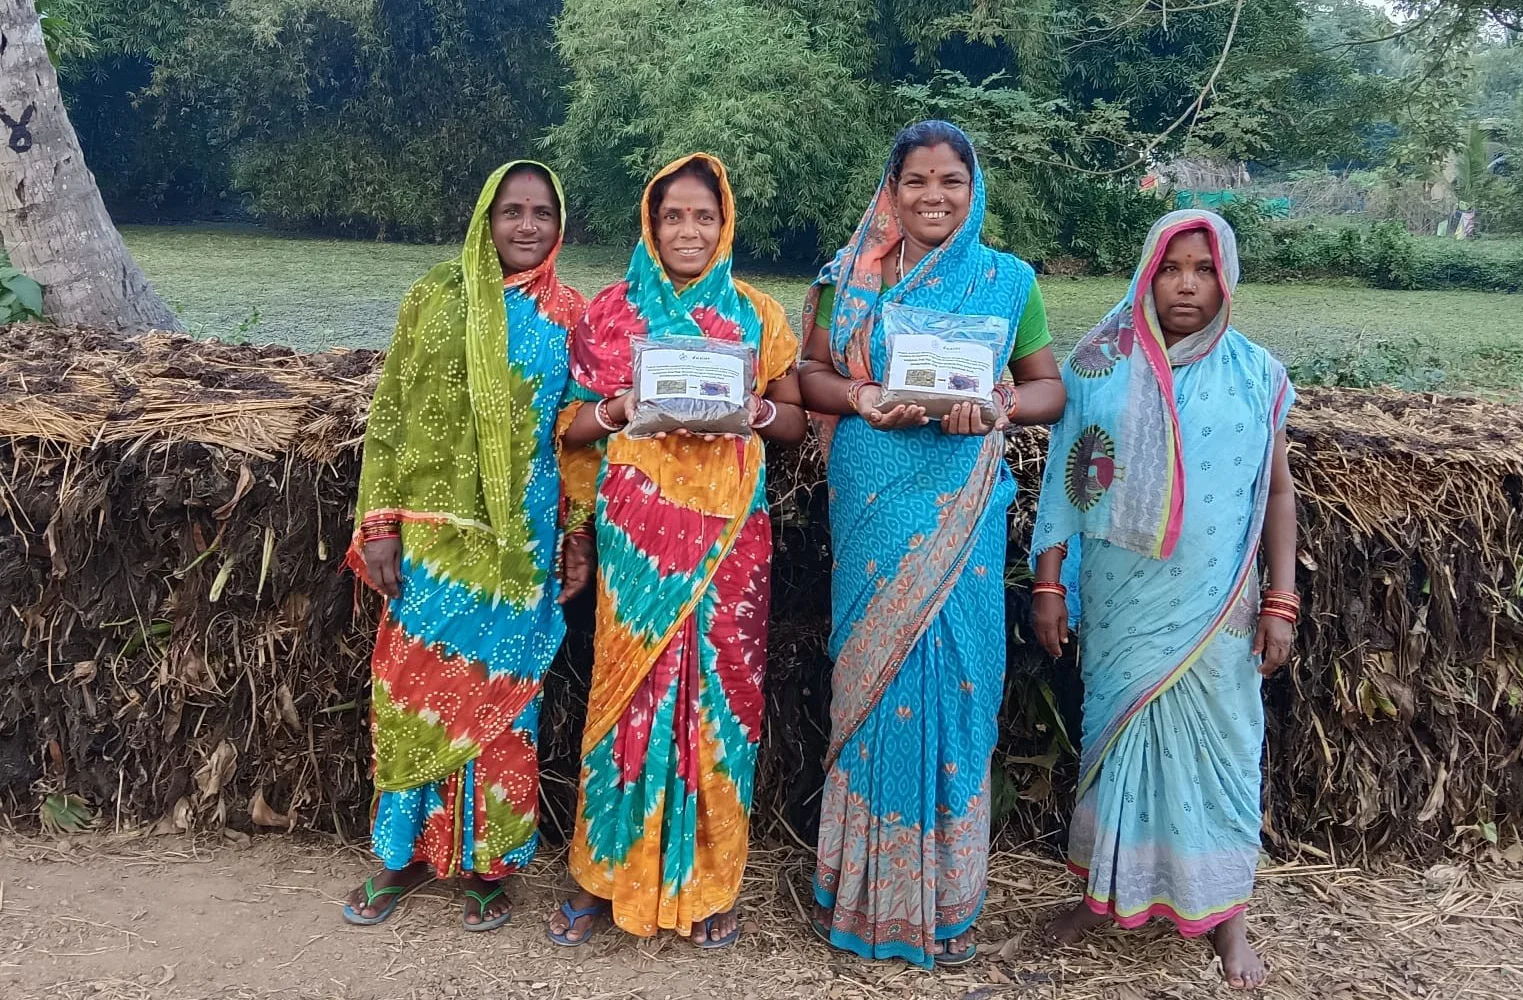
[1158,478]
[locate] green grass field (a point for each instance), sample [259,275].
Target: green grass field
[309,293]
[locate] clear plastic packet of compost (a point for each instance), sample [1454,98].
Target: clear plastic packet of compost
[691,383]
[939,359]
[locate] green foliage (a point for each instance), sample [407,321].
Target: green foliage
[20,296]
[373,117]
[1365,364]
[1392,256]
[1506,211]
[379,117]
[63,814]
[800,135]
[155,157]
[1457,264]
[61,32]
[1305,250]
[1065,99]
[1384,255]
[1498,71]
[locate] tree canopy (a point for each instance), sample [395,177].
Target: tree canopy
[379,117]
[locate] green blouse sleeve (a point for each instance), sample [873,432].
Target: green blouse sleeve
[1031,334]
[825,307]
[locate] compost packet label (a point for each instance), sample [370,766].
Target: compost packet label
[688,374]
[928,363]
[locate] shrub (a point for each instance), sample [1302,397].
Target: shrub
[20,296]
[1452,264]
[1366,364]
[1392,256]
[1385,255]
[1108,223]
[1305,250]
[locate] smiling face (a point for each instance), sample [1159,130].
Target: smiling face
[932,194]
[688,222]
[526,221]
[1187,290]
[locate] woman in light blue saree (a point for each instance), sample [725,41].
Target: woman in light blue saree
[918,527]
[1164,476]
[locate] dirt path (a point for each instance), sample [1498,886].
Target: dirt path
[109,919]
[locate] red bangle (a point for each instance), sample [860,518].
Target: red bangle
[378,538]
[854,394]
[1279,613]
[1011,400]
[1049,588]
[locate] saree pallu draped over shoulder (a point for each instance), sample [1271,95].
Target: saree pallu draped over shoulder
[684,559]
[1158,478]
[918,532]
[460,459]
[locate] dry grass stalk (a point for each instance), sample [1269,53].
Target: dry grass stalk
[154,663]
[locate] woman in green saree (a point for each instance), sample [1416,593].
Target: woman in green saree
[458,516]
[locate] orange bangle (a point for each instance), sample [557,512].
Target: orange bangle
[1279,613]
[1049,588]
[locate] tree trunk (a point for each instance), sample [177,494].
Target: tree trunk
[52,220]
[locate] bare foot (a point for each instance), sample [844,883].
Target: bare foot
[1071,927]
[405,879]
[496,905]
[577,931]
[719,927]
[1241,965]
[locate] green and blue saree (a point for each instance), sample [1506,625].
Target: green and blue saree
[460,456]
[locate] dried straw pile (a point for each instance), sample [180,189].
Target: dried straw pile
[182,648]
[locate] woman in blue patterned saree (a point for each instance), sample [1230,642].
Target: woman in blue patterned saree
[918,528]
[1166,472]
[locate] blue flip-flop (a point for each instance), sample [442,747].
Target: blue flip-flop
[397,894]
[953,959]
[709,940]
[572,915]
[481,909]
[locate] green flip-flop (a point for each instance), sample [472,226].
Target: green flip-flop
[397,894]
[481,908]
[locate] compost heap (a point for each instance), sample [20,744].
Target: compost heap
[184,651]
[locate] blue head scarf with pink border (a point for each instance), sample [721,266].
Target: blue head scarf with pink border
[1127,484]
